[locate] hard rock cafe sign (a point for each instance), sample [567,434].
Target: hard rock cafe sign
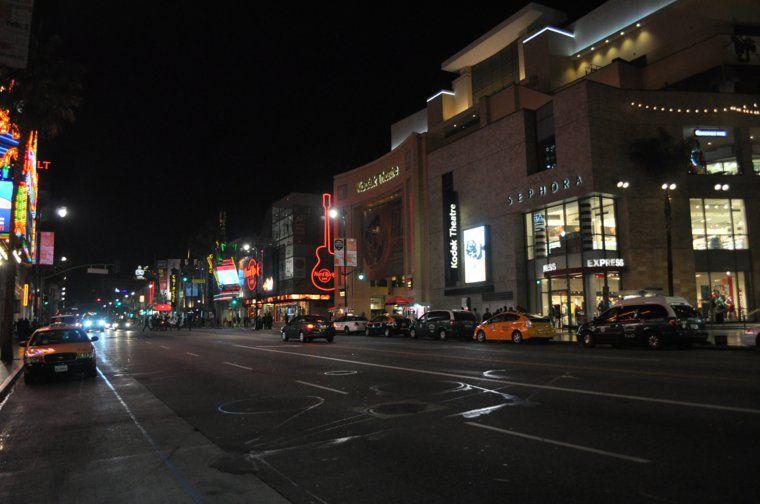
[252,273]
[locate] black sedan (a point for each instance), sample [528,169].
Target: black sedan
[388,325]
[307,328]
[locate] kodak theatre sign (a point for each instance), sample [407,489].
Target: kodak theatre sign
[543,190]
[376,180]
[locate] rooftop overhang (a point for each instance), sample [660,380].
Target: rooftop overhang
[502,35]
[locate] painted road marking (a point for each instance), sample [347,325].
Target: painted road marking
[148,342]
[553,388]
[238,366]
[193,354]
[561,443]
[164,347]
[321,387]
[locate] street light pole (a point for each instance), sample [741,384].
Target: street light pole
[668,187]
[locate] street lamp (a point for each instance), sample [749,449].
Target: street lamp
[623,184]
[333,213]
[64,258]
[668,187]
[62,212]
[721,187]
[361,276]
[246,247]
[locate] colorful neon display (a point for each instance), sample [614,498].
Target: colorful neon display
[321,274]
[251,273]
[24,217]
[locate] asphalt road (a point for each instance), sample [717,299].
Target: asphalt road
[234,416]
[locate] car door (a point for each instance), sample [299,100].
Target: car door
[495,327]
[435,318]
[602,327]
[624,330]
[295,327]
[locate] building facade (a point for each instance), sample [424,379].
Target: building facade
[382,206]
[547,161]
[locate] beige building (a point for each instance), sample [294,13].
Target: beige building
[547,158]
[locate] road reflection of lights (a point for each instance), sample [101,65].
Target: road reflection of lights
[496,373]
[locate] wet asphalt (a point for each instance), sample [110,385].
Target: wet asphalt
[237,416]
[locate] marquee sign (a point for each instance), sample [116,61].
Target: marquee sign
[543,190]
[451,236]
[376,180]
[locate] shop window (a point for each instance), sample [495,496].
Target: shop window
[718,224]
[529,236]
[711,150]
[754,140]
[546,145]
[557,230]
[721,294]
[603,223]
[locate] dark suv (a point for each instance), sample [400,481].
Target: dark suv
[651,321]
[387,325]
[444,324]
[308,327]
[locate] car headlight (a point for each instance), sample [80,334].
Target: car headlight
[88,323]
[128,324]
[102,323]
[34,359]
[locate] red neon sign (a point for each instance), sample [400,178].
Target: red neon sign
[321,275]
[252,273]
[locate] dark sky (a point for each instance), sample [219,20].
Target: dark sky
[191,108]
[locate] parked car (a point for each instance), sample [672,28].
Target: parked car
[653,321]
[59,349]
[750,337]
[515,327]
[388,325]
[350,324]
[444,324]
[308,327]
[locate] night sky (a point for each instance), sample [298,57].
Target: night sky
[192,108]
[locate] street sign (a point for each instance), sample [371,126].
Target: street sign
[97,271]
[351,259]
[340,252]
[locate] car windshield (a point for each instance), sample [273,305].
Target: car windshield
[464,316]
[685,311]
[56,337]
[533,317]
[312,318]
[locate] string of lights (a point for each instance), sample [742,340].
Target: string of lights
[743,109]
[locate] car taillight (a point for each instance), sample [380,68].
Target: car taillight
[451,322]
[673,322]
[309,326]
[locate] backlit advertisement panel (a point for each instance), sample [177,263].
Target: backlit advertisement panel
[6,193]
[226,273]
[475,255]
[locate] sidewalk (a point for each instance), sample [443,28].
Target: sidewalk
[9,373]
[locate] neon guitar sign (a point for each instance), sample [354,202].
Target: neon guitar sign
[321,275]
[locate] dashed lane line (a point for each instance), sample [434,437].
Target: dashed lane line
[164,347]
[561,443]
[655,400]
[238,366]
[193,354]
[322,387]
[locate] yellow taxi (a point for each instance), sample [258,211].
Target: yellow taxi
[59,349]
[515,327]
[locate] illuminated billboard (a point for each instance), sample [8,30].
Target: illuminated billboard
[6,193]
[226,273]
[475,255]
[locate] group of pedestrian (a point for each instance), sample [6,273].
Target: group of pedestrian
[25,328]
[721,307]
[487,313]
[265,321]
[163,322]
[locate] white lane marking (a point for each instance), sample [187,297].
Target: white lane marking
[148,342]
[554,388]
[186,486]
[164,347]
[238,366]
[561,443]
[321,387]
[193,354]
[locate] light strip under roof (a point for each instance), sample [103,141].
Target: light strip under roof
[549,28]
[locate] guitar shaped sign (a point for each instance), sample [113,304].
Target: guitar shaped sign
[322,275]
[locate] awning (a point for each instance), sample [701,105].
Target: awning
[398,300]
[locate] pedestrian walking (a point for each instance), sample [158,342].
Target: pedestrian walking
[486,315]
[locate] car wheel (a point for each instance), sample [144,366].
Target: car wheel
[587,340]
[92,372]
[412,333]
[387,332]
[481,336]
[654,341]
[442,335]
[517,337]
[330,339]
[284,337]
[302,338]
[346,331]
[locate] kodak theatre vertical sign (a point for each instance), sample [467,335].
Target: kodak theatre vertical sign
[451,237]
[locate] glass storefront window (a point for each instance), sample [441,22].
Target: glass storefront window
[718,224]
[754,140]
[556,230]
[721,295]
[711,150]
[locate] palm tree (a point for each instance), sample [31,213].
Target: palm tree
[39,98]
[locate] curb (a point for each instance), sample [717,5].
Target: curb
[10,380]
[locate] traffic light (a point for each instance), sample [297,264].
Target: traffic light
[234,302]
[184,279]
